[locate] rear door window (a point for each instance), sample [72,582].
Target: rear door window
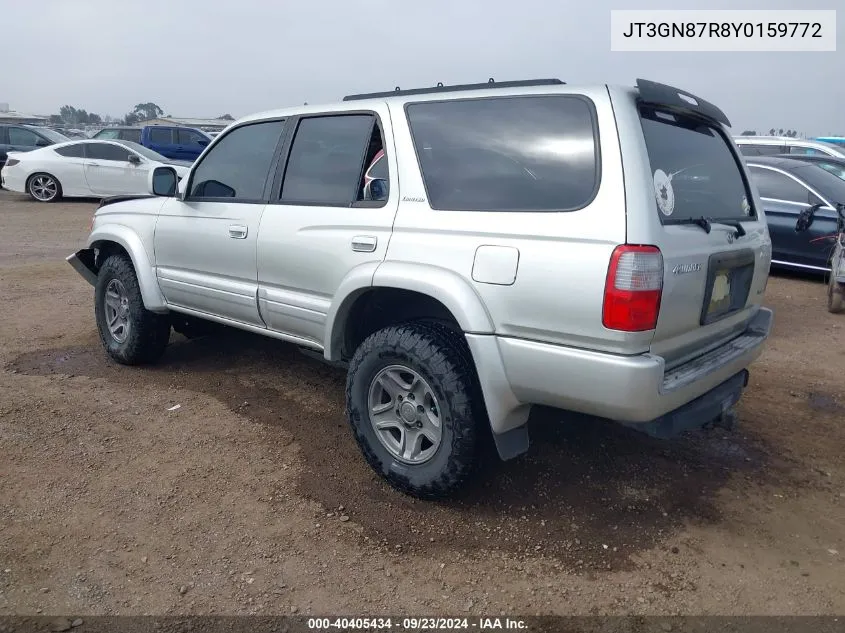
[161,136]
[694,172]
[532,153]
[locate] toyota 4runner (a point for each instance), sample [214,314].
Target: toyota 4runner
[466,252]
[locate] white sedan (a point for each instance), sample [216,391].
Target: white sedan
[84,169]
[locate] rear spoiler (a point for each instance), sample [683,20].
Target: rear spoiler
[679,100]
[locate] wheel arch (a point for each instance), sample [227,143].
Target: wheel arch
[408,290]
[59,188]
[115,238]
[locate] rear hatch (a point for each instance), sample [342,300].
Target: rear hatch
[712,237]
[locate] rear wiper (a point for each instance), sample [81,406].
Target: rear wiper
[740,230]
[707,224]
[703,222]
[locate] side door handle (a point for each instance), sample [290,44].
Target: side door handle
[237,231]
[364,243]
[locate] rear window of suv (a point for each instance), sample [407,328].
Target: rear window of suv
[694,172]
[532,153]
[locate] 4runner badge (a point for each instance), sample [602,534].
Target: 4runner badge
[682,269]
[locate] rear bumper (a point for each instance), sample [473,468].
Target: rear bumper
[629,389]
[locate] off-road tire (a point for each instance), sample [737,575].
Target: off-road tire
[442,358]
[149,332]
[835,296]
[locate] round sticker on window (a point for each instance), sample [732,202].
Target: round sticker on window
[663,192]
[746,208]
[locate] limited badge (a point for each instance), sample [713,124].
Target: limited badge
[663,192]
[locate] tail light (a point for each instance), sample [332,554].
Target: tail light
[633,288]
[11,162]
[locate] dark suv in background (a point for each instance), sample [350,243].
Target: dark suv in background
[25,138]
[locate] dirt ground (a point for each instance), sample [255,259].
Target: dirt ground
[252,497]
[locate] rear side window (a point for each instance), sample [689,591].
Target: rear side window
[237,167]
[20,136]
[107,151]
[536,153]
[72,151]
[777,186]
[761,150]
[162,136]
[694,172]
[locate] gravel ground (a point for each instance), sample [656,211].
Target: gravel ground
[251,497]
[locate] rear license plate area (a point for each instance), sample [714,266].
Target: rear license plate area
[729,278]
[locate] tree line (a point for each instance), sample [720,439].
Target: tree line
[773,132]
[72,116]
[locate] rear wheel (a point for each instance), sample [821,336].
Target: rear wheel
[131,334]
[44,188]
[414,406]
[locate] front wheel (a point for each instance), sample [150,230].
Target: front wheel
[131,334]
[415,409]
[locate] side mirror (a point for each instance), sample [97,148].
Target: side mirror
[805,219]
[163,181]
[134,159]
[42,143]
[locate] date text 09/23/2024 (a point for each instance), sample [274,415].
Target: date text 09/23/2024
[416,624]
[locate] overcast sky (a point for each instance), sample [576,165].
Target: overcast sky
[204,58]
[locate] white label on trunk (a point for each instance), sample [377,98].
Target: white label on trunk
[663,192]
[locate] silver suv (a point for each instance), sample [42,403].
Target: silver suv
[466,252]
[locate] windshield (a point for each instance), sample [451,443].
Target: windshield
[53,135]
[145,152]
[695,173]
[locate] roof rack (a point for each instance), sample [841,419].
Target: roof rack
[397,92]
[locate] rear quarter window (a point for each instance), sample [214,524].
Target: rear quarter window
[694,170]
[532,153]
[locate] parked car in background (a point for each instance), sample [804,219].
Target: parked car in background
[770,145]
[25,138]
[119,133]
[175,142]
[84,169]
[788,186]
[182,143]
[835,140]
[835,166]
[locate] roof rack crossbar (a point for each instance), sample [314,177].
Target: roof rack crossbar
[490,83]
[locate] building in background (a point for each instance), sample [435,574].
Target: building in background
[10,116]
